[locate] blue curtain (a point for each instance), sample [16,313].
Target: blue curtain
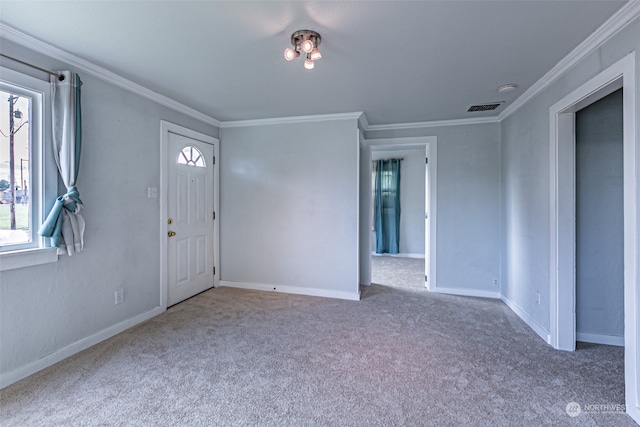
[387,206]
[65,224]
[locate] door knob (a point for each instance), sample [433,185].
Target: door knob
[171,233]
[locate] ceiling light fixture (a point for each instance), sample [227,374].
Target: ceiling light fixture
[507,88]
[306,41]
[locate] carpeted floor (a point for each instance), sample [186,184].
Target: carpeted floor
[398,357]
[398,272]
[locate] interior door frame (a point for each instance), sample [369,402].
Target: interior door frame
[167,128]
[562,216]
[430,143]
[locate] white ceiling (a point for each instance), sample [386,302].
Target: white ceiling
[398,61]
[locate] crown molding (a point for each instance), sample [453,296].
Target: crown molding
[435,123]
[627,13]
[363,122]
[9,33]
[293,119]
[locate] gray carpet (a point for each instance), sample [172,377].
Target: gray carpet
[398,357]
[398,272]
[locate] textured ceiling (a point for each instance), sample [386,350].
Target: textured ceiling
[398,61]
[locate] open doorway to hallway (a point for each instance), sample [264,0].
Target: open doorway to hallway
[402,264]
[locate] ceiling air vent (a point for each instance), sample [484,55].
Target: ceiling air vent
[484,107]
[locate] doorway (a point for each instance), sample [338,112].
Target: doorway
[562,216]
[414,265]
[188,204]
[599,222]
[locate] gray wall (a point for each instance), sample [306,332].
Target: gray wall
[48,307]
[412,198]
[289,200]
[599,218]
[468,203]
[525,179]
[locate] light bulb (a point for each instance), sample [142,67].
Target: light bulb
[308,64]
[290,54]
[315,54]
[307,46]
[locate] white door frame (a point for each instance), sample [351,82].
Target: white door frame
[430,143]
[165,129]
[364,212]
[562,220]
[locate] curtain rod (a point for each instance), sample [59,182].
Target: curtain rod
[395,158]
[60,76]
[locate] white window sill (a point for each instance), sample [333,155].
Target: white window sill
[27,258]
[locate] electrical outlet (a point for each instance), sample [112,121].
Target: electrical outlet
[119,296]
[538,298]
[496,282]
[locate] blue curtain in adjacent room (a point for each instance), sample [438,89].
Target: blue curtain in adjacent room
[65,224]
[387,206]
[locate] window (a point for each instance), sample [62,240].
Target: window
[387,177]
[24,196]
[191,156]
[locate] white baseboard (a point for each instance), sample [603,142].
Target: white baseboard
[352,296]
[403,255]
[527,319]
[465,292]
[76,347]
[600,339]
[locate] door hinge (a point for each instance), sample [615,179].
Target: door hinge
[214,160]
[214,215]
[214,271]
[426,278]
[426,160]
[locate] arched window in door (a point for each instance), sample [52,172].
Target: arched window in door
[191,156]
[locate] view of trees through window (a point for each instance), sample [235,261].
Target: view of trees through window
[14,169]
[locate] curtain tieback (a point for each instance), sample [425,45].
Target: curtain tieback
[53,224]
[71,200]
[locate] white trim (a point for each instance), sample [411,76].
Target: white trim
[364,212]
[363,123]
[83,65]
[431,124]
[358,278]
[327,293]
[562,217]
[414,140]
[537,328]
[464,292]
[600,339]
[166,128]
[291,119]
[627,13]
[74,348]
[432,275]
[26,258]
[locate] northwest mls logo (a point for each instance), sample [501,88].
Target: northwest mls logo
[573,409]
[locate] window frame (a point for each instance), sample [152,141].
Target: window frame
[42,168]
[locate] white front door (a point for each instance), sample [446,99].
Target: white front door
[190,217]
